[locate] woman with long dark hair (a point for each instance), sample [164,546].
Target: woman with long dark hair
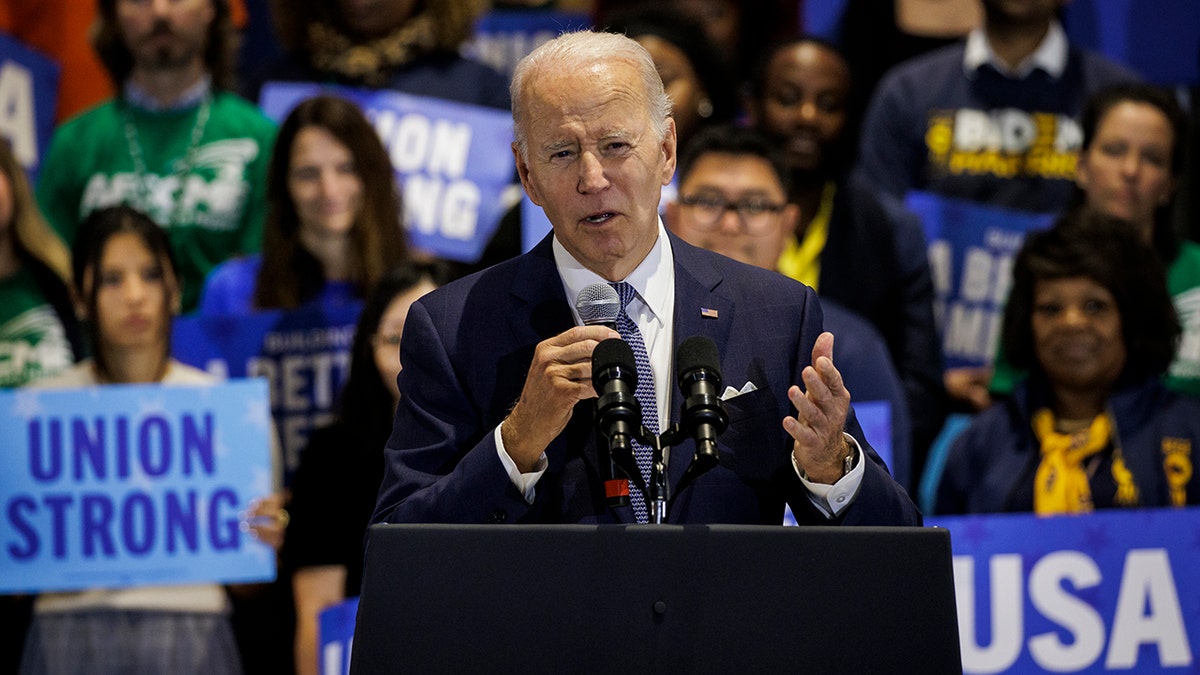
[333,224]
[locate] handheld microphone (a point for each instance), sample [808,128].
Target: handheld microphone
[698,366]
[598,304]
[618,414]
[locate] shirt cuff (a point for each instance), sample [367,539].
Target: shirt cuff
[831,500]
[525,482]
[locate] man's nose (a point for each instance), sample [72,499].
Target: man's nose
[591,173]
[730,221]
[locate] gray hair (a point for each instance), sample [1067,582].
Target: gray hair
[571,52]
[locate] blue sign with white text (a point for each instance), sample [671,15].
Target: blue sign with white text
[335,637]
[1110,591]
[303,354]
[503,37]
[125,485]
[28,95]
[454,161]
[971,251]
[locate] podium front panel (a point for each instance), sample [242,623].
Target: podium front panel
[642,598]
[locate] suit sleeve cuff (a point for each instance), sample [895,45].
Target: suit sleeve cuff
[831,500]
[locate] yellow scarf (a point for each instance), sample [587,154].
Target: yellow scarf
[1061,484]
[801,260]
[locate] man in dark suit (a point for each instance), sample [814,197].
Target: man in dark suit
[495,416]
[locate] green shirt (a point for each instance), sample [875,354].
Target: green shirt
[204,176]
[33,343]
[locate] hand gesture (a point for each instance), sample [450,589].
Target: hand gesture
[818,444]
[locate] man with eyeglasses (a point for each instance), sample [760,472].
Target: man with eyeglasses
[733,187]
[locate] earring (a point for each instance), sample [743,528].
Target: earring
[704,108]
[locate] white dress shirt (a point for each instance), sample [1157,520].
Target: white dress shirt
[653,310]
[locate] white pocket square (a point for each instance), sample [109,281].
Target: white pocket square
[730,392]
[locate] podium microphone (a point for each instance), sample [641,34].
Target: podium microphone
[599,304]
[698,366]
[618,415]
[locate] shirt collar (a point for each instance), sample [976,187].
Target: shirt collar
[653,278]
[1050,55]
[140,98]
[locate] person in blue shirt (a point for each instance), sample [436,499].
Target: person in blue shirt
[333,225]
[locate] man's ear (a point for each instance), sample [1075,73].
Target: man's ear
[670,151]
[791,220]
[523,174]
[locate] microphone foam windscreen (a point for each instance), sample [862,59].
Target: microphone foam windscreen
[613,352]
[598,303]
[697,352]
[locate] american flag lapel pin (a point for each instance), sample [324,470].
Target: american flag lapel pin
[708,313]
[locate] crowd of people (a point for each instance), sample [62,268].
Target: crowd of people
[726,175]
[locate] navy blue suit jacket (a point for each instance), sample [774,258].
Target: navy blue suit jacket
[468,346]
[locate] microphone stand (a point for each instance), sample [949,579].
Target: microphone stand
[655,493]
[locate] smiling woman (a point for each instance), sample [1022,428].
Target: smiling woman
[333,222]
[1092,426]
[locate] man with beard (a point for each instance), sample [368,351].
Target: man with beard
[174,143]
[846,244]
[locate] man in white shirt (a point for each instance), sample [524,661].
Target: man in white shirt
[495,417]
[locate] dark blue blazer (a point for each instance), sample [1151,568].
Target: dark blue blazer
[468,346]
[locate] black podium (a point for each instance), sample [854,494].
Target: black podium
[656,599]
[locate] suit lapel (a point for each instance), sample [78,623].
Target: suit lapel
[700,309]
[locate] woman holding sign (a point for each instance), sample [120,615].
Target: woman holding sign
[128,288]
[333,217]
[1092,426]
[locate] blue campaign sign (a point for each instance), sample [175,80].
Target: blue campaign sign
[971,251]
[1111,591]
[335,637]
[304,355]
[125,485]
[28,95]
[503,37]
[454,161]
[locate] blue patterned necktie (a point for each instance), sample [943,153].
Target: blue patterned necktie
[644,394]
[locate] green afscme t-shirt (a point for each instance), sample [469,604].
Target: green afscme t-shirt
[33,343]
[204,177]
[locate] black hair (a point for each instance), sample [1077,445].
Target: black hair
[366,404]
[728,139]
[1107,250]
[87,252]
